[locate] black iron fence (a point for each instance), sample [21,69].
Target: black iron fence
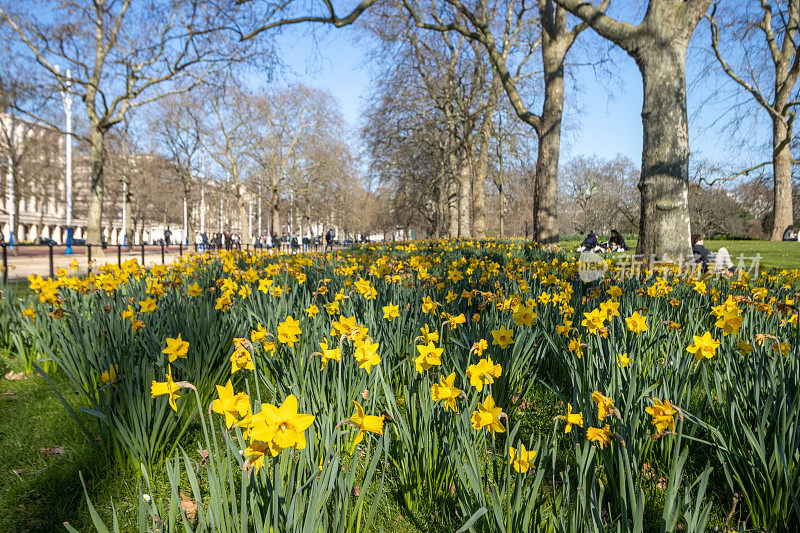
[139,251]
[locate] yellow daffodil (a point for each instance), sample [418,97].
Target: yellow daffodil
[524,315]
[229,404]
[703,347]
[168,387]
[366,354]
[366,423]
[147,305]
[446,392]
[572,419]
[487,416]
[730,321]
[637,323]
[483,373]
[428,305]
[288,330]
[258,334]
[594,321]
[176,347]
[502,337]
[194,290]
[428,335]
[605,405]
[601,437]
[479,346]
[429,355]
[521,459]
[241,358]
[281,427]
[329,354]
[391,311]
[663,415]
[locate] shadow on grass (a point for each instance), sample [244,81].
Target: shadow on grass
[41,454]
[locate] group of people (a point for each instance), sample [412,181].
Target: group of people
[232,241]
[226,240]
[702,257]
[615,243]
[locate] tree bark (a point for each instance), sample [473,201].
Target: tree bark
[545,214]
[97,190]
[664,227]
[782,174]
[502,209]
[464,197]
[479,183]
[451,198]
[276,214]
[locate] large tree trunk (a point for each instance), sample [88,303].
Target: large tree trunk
[275,216]
[97,190]
[502,210]
[464,197]
[451,197]
[545,214]
[782,174]
[479,182]
[664,227]
[242,203]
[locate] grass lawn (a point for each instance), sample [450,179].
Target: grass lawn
[773,254]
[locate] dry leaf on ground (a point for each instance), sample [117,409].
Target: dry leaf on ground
[12,376]
[189,507]
[55,450]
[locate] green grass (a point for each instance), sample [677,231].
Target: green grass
[773,254]
[39,492]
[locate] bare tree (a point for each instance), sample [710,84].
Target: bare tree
[122,55]
[779,96]
[226,138]
[658,45]
[600,195]
[176,123]
[282,129]
[478,23]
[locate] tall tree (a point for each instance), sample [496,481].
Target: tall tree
[779,95]
[179,134]
[122,55]
[281,130]
[478,21]
[658,44]
[226,138]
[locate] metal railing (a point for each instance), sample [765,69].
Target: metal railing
[142,249]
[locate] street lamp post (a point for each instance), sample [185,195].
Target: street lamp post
[124,215]
[202,210]
[66,96]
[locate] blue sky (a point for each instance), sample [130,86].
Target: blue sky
[335,60]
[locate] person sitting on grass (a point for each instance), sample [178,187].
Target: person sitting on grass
[789,234]
[590,243]
[617,242]
[703,256]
